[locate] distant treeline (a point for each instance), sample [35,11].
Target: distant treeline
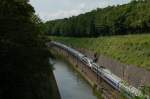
[132,18]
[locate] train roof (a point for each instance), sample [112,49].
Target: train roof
[105,71]
[69,48]
[108,72]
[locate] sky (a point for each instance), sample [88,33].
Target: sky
[58,9]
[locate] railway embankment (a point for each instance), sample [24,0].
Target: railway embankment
[98,84]
[126,56]
[134,75]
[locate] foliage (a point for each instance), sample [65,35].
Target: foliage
[146,90]
[113,20]
[24,64]
[129,49]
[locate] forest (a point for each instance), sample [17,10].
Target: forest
[131,18]
[25,71]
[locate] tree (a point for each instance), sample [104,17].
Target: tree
[132,18]
[24,66]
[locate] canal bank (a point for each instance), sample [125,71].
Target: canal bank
[55,92]
[97,84]
[73,67]
[71,85]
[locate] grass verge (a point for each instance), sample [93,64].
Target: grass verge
[129,49]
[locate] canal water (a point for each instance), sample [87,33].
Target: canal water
[71,85]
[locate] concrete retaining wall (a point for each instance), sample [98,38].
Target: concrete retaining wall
[96,82]
[132,74]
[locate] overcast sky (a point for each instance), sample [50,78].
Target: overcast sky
[57,9]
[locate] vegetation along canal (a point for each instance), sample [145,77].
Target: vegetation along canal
[70,83]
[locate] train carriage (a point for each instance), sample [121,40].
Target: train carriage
[108,76]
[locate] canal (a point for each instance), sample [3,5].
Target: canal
[71,85]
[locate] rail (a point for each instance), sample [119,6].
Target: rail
[104,73]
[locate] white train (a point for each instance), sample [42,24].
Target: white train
[104,73]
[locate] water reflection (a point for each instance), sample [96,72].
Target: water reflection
[71,85]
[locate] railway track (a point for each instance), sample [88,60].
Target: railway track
[113,80]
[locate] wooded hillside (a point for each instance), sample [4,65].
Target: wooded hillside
[132,18]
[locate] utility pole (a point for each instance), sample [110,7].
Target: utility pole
[95,57]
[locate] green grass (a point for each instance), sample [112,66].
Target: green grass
[129,49]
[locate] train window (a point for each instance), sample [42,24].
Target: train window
[84,61]
[102,66]
[114,84]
